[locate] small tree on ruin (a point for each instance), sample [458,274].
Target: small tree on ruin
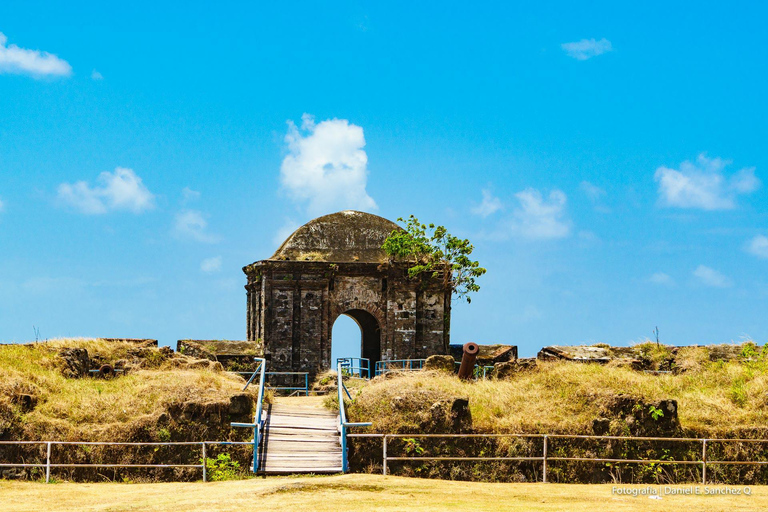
[432,250]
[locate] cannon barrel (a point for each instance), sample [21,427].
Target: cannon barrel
[468,360]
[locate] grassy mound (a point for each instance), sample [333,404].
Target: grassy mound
[714,398]
[163,396]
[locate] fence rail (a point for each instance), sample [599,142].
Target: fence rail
[48,464]
[410,365]
[300,389]
[703,461]
[356,366]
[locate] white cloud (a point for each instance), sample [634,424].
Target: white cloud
[326,166]
[538,217]
[662,279]
[2,205]
[489,205]
[758,246]
[30,62]
[587,48]
[588,236]
[211,264]
[703,184]
[45,285]
[192,224]
[188,195]
[593,192]
[711,277]
[121,190]
[95,75]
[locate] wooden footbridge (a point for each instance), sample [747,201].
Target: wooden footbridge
[298,434]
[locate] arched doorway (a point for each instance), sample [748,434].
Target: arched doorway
[369,344]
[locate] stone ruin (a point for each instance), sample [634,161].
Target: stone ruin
[334,265]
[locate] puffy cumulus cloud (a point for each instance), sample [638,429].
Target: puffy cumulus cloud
[326,166]
[210,265]
[758,246]
[538,217]
[587,48]
[120,190]
[703,184]
[30,62]
[711,277]
[95,75]
[489,205]
[192,225]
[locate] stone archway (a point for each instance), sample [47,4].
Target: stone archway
[370,335]
[335,265]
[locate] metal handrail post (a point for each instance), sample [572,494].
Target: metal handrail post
[703,462]
[205,465]
[257,421]
[343,417]
[253,376]
[48,463]
[384,456]
[544,461]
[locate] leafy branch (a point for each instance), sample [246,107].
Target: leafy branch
[432,250]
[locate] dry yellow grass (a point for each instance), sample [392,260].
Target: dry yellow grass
[356,492]
[95,409]
[713,398]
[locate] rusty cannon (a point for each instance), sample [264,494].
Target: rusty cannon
[468,360]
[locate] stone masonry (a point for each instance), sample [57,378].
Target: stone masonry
[332,266]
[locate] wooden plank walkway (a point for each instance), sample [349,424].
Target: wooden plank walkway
[300,436]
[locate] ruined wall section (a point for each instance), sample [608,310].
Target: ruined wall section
[292,306]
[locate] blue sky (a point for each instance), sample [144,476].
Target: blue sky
[606,161]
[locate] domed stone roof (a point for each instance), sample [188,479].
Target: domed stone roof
[348,236]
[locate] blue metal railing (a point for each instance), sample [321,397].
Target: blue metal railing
[304,389]
[478,371]
[355,366]
[402,365]
[343,424]
[258,421]
[407,365]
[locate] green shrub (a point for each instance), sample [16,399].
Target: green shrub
[222,468]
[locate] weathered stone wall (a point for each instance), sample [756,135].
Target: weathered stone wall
[292,306]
